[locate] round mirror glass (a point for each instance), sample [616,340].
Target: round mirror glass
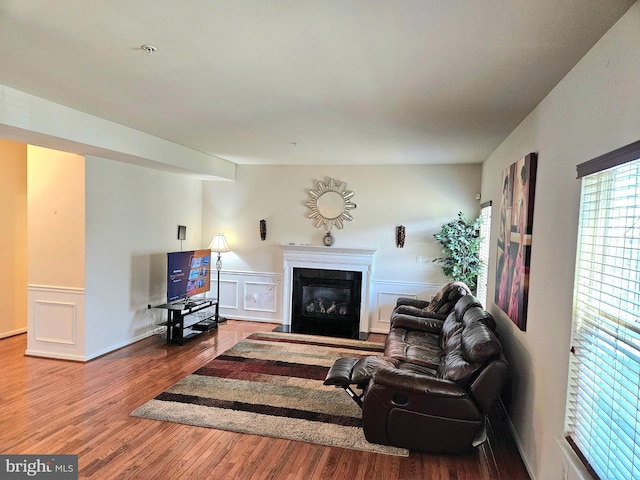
[330,203]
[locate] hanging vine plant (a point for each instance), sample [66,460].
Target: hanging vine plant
[460,240]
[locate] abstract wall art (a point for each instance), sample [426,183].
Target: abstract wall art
[514,239]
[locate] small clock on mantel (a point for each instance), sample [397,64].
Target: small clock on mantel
[328,239]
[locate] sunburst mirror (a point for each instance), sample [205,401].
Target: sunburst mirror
[330,203]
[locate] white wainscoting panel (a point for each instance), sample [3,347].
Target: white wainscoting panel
[55,323]
[228,293]
[254,296]
[260,296]
[249,295]
[385,294]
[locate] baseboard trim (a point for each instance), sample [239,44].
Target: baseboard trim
[19,331]
[516,440]
[243,318]
[120,345]
[54,355]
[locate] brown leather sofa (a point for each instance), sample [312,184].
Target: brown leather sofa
[441,373]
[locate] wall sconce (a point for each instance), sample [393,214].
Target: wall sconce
[400,236]
[263,230]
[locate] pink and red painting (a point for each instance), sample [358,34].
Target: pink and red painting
[514,239]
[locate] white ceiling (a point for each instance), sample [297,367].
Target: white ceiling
[304,81]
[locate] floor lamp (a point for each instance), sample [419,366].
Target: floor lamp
[219,245]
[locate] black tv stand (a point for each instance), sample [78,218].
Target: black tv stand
[181,313]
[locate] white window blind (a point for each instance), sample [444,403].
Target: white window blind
[483,254]
[603,418]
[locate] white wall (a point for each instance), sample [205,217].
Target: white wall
[594,110]
[56,217]
[132,221]
[13,241]
[420,197]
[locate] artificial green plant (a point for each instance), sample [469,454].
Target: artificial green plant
[460,240]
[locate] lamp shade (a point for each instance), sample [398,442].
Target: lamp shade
[219,243]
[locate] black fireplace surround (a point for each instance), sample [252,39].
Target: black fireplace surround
[326,302]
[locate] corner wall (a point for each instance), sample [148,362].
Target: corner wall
[13,241]
[420,197]
[133,215]
[593,110]
[56,254]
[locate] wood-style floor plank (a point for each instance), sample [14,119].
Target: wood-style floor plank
[57,407]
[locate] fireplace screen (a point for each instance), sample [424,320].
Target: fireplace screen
[326,302]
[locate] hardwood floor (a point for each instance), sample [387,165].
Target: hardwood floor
[57,407]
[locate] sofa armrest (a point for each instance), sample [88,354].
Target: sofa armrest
[412,382]
[487,386]
[426,402]
[418,312]
[414,302]
[411,322]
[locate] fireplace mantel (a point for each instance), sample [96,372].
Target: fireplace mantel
[297,249]
[327,258]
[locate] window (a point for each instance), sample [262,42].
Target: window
[603,405]
[485,231]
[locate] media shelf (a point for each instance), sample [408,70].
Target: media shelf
[194,315]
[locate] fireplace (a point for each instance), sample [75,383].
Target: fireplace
[332,263]
[326,302]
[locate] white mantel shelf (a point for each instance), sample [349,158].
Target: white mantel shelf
[321,250]
[328,258]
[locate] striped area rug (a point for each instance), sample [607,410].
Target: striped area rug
[270,384]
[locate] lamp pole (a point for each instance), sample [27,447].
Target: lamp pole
[218,268]
[218,244]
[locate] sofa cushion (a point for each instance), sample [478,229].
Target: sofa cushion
[464,304]
[450,326]
[444,301]
[455,368]
[413,346]
[423,340]
[426,357]
[478,343]
[453,342]
[418,369]
[474,314]
[395,345]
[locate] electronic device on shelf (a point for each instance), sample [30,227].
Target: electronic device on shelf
[190,319]
[188,274]
[185,304]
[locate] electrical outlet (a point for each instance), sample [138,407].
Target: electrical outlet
[565,471]
[419,259]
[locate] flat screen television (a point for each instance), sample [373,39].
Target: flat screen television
[188,274]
